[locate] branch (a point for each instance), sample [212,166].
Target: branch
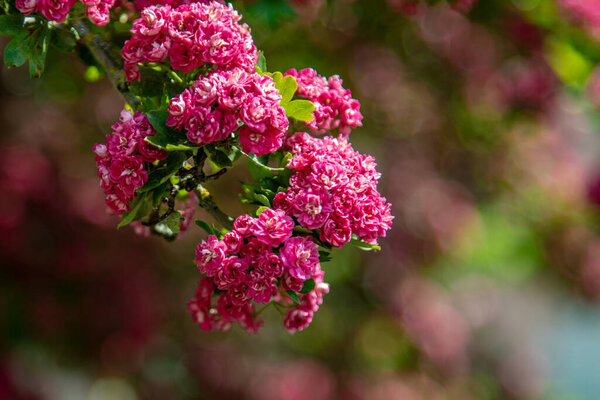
[205,201]
[112,65]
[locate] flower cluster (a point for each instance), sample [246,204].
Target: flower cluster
[190,36]
[334,106]
[120,160]
[210,110]
[141,4]
[257,262]
[57,10]
[334,188]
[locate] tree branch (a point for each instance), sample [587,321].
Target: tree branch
[104,54]
[205,201]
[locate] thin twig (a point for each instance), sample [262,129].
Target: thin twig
[205,201]
[113,65]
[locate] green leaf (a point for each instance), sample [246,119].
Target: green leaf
[166,137]
[309,285]
[209,229]
[158,193]
[262,199]
[137,211]
[37,49]
[172,221]
[11,25]
[157,177]
[300,110]
[293,296]
[261,63]
[364,246]
[219,157]
[63,40]
[257,162]
[287,87]
[324,256]
[15,52]
[151,83]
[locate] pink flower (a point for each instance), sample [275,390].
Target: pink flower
[270,265]
[336,231]
[192,34]
[261,288]
[272,227]
[210,255]
[233,241]
[297,319]
[300,257]
[231,273]
[334,106]
[55,10]
[243,225]
[312,209]
[26,6]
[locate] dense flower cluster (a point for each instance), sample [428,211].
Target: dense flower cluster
[57,10]
[189,35]
[257,261]
[120,160]
[210,110]
[141,4]
[334,106]
[334,188]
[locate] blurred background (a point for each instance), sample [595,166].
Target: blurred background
[484,118]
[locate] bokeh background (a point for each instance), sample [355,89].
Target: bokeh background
[484,117]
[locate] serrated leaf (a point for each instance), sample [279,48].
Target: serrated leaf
[172,221]
[301,110]
[11,25]
[137,211]
[293,296]
[15,52]
[287,87]
[308,286]
[36,51]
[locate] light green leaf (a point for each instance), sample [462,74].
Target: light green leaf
[301,110]
[287,87]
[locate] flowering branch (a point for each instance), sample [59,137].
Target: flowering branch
[205,201]
[104,54]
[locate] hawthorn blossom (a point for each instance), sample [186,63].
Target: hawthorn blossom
[334,189]
[189,35]
[214,106]
[334,106]
[121,159]
[57,10]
